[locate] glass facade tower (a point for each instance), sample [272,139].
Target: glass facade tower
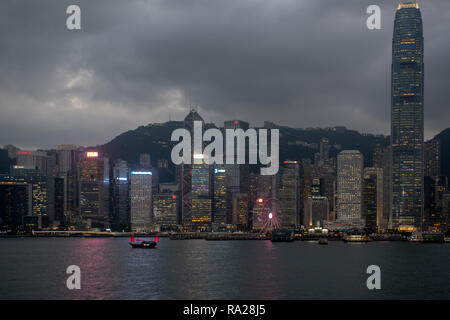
[407,118]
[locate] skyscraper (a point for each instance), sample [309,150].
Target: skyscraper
[237,174]
[15,204]
[33,160]
[67,157]
[38,182]
[141,201]
[382,159]
[316,211]
[185,172]
[432,158]
[165,211]
[201,210]
[349,186]
[289,194]
[120,211]
[220,195]
[240,210]
[407,118]
[92,191]
[372,211]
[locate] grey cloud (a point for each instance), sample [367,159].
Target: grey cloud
[302,63]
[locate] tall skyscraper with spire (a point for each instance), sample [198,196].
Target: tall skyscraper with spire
[407,128]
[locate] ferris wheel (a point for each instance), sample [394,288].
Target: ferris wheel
[269,215]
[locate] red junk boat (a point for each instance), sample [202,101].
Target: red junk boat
[144,244]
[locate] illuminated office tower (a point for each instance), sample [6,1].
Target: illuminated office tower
[141,201]
[373,198]
[240,210]
[252,189]
[67,157]
[66,194]
[237,174]
[432,157]
[316,211]
[435,209]
[185,172]
[432,216]
[382,159]
[59,201]
[324,150]
[316,187]
[165,211]
[219,195]
[44,164]
[306,185]
[289,194]
[327,174]
[260,187]
[349,186]
[446,206]
[201,204]
[120,209]
[407,118]
[92,192]
[38,184]
[107,191]
[257,223]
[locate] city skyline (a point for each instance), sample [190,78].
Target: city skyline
[77,187]
[88,102]
[224,154]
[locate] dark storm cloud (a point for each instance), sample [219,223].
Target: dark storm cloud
[303,63]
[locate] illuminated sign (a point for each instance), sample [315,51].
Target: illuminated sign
[218,170]
[174,197]
[236,122]
[122,179]
[18,167]
[92,154]
[25,152]
[141,172]
[290,162]
[198,156]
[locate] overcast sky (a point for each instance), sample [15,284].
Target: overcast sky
[302,63]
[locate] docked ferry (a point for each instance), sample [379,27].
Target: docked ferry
[356,238]
[427,237]
[284,235]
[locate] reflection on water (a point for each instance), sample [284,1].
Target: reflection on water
[199,269]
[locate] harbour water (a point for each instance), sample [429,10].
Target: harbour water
[35,268]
